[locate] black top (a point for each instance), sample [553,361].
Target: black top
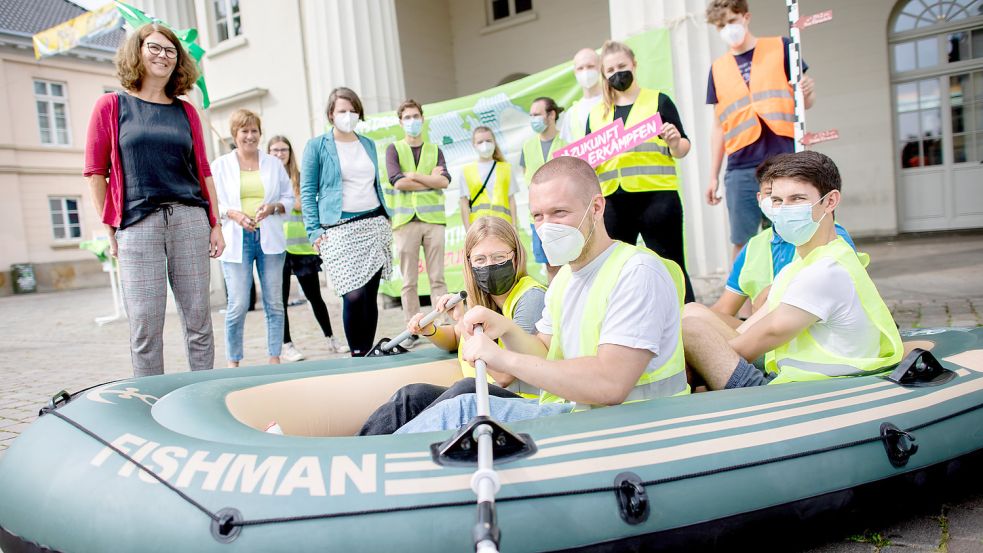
[158,158]
[667,110]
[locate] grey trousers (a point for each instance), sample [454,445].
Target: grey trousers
[170,245]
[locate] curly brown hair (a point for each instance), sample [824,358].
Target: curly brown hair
[129,62]
[717,10]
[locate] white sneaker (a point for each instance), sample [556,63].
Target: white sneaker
[409,342]
[289,353]
[335,347]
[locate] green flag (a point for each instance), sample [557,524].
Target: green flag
[136,19]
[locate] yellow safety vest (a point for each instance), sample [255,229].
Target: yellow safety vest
[758,271]
[525,284]
[802,358]
[667,380]
[645,168]
[532,154]
[296,235]
[426,205]
[484,205]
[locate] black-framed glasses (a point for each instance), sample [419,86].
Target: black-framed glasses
[155,49]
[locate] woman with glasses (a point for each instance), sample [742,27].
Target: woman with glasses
[495,278]
[151,184]
[301,259]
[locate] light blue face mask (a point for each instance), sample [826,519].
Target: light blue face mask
[794,222]
[413,127]
[538,123]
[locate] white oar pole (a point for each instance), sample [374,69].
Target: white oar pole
[795,72]
[429,318]
[484,482]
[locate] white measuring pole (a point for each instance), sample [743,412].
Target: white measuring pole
[484,482]
[795,72]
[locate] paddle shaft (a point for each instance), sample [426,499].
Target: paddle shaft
[485,481]
[429,318]
[795,72]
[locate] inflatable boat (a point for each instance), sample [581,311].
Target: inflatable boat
[181,462]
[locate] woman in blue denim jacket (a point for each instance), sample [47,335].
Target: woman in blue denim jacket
[346,218]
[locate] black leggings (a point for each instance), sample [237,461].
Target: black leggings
[360,314]
[310,285]
[657,216]
[409,401]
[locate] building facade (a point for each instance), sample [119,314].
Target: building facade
[900,80]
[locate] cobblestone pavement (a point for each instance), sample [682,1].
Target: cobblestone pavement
[50,342]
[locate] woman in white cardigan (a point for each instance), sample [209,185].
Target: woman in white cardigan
[254,192]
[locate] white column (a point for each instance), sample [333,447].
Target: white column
[694,47]
[353,43]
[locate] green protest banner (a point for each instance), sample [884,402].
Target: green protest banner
[505,110]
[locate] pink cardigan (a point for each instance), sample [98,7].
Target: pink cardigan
[102,154]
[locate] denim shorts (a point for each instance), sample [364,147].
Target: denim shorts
[742,204]
[746,375]
[537,246]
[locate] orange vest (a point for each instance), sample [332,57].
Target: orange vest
[740,110]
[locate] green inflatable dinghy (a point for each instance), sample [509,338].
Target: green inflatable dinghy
[181,462]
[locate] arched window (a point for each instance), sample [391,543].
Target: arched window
[917,14]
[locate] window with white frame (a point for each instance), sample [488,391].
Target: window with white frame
[65,222]
[51,99]
[499,10]
[227,23]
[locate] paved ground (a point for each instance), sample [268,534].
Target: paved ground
[49,343]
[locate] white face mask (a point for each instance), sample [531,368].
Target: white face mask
[563,243]
[733,34]
[766,209]
[346,121]
[587,78]
[485,149]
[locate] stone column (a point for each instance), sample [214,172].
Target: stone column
[353,43]
[694,47]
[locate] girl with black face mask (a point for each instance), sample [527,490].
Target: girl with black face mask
[494,277]
[641,185]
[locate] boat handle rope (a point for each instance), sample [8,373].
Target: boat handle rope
[230,523]
[427,319]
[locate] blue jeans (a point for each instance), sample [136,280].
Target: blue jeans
[238,281]
[742,204]
[456,412]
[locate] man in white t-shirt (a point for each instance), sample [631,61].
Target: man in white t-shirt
[587,70]
[633,354]
[823,317]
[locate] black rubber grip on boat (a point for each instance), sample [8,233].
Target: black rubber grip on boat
[633,500]
[487,526]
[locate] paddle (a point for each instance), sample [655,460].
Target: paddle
[485,481]
[429,318]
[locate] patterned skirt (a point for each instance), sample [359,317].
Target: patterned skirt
[353,252]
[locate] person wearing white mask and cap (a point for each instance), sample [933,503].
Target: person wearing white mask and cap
[754,112]
[488,185]
[587,71]
[610,330]
[823,318]
[755,267]
[346,218]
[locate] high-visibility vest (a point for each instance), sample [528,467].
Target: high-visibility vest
[426,205]
[532,154]
[667,380]
[484,205]
[296,235]
[645,168]
[741,108]
[525,284]
[802,358]
[758,271]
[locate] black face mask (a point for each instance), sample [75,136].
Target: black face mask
[621,80]
[495,279]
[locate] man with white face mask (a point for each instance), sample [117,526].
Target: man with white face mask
[823,318]
[417,179]
[610,329]
[587,71]
[754,112]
